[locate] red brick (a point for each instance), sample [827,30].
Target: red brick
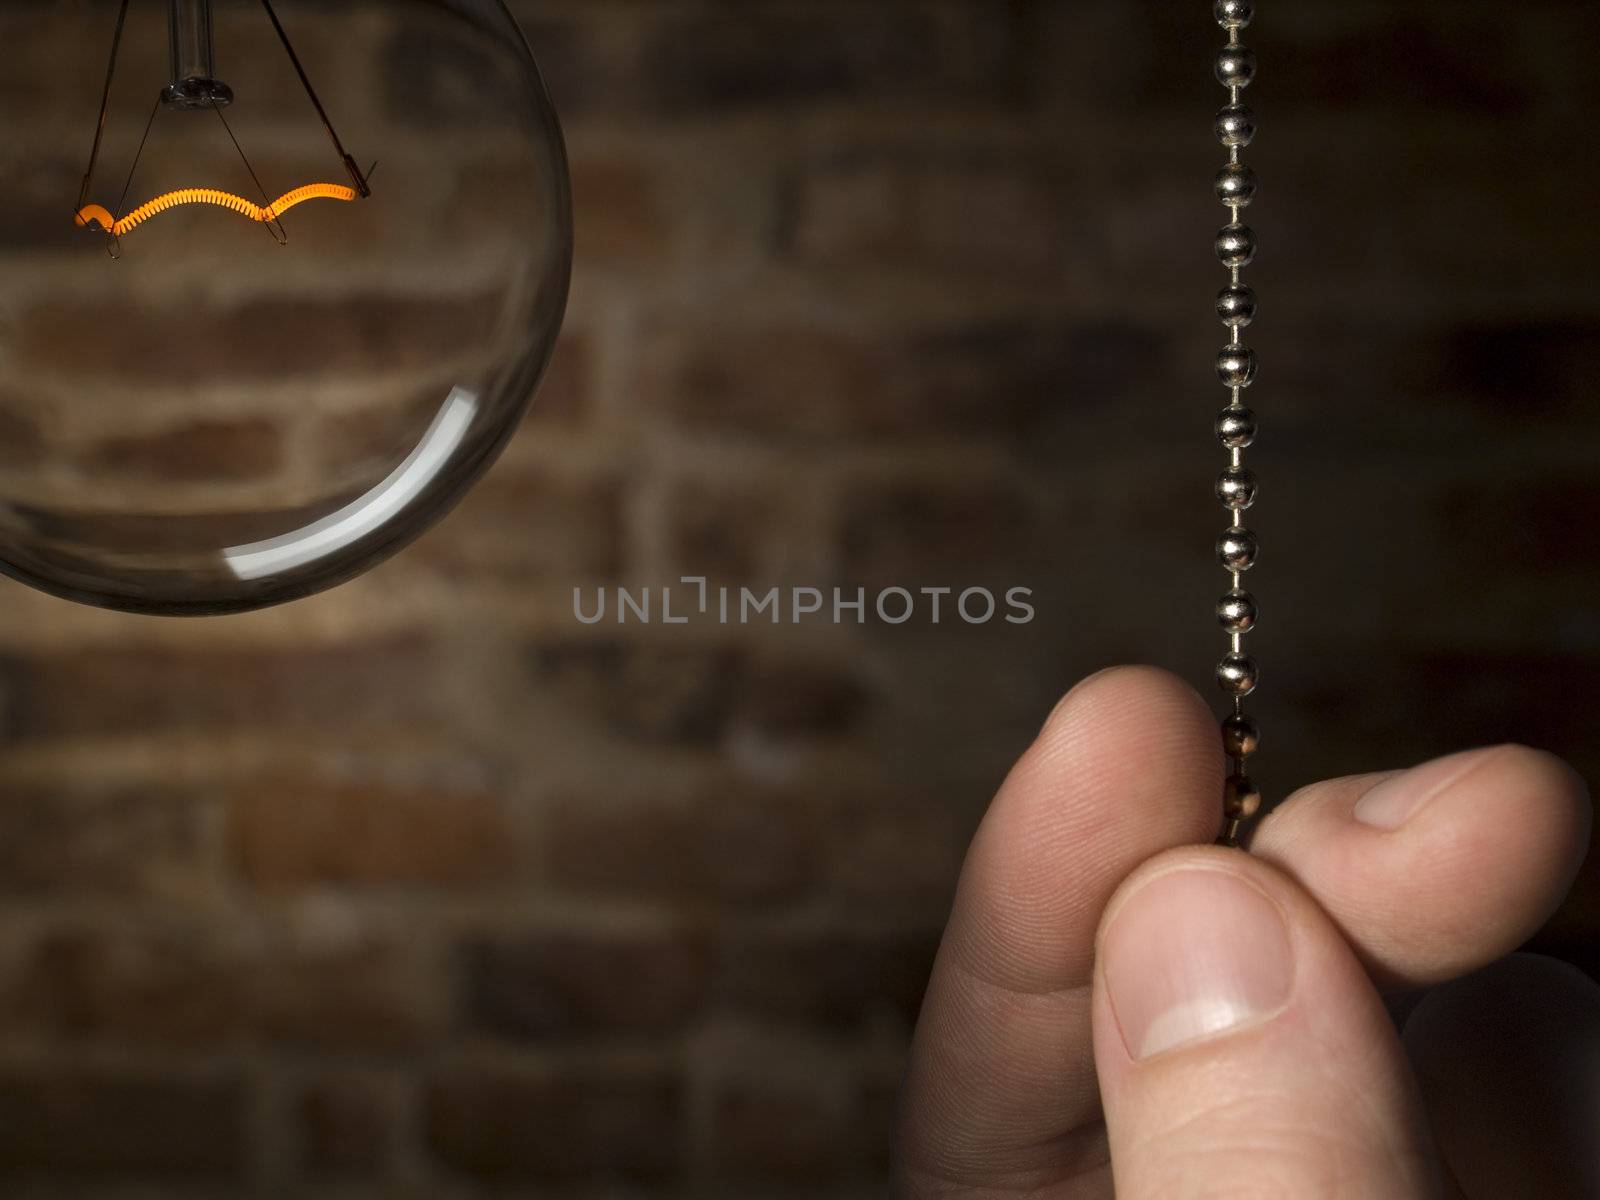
[494,207]
[172,988]
[1014,378]
[565,984]
[198,451]
[215,986]
[852,207]
[724,841]
[696,694]
[756,846]
[590,66]
[350,685]
[948,532]
[349,1123]
[565,393]
[371,442]
[776,1128]
[119,840]
[120,1124]
[829,975]
[930,55]
[375,994]
[728,532]
[259,340]
[582,1121]
[793,698]
[289,833]
[744,379]
[440,76]
[328,38]
[618,213]
[993,378]
[520,525]
[886,849]
[988,214]
[655,693]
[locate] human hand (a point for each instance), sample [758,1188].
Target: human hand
[1114,1006]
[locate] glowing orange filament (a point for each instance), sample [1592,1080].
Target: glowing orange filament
[245,208]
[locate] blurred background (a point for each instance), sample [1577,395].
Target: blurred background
[422,887]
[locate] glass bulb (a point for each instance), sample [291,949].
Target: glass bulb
[269,381]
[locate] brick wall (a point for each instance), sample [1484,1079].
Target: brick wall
[423,887]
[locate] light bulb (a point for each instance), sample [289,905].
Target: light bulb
[297,304]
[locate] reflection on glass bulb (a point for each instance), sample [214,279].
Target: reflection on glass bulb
[292,551]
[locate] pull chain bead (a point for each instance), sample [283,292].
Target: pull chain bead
[1235,186]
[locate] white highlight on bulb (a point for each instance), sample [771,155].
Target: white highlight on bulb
[258,560]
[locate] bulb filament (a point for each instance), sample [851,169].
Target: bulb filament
[267,214]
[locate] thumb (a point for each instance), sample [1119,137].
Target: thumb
[1241,1049]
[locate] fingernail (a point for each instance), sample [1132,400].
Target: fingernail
[1392,802]
[1192,954]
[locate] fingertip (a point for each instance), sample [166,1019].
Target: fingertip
[1556,797]
[1133,709]
[1143,678]
[1075,689]
[1435,870]
[1128,765]
[1001,1068]
[1545,823]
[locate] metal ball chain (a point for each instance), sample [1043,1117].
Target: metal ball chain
[1237,673]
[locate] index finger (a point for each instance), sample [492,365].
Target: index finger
[1001,1089]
